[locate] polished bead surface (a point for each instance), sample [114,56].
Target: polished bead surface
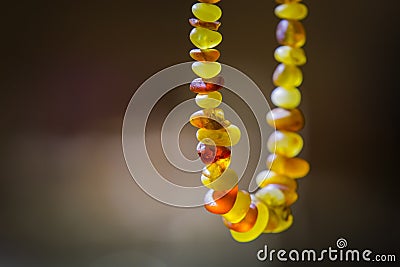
[206,70]
[257,229]
[212,119]
[229,136]
[209,100]
[203,24]
[291,33]
[288,98]
[283,220]
[206,12]
[240,208]
[284,143]
[267,177]
[226,181]
[287,76]
[295,11]
[288,120]
[210,55]
[216,169]
[290,55]
[219,202]
[271,195]
[205,38]
[290,167]
[204,86]
[247,223]
[210,154]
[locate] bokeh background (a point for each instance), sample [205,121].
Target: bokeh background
[69,69]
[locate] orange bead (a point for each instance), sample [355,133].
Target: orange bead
[288,120]
[203,24]
[280,219]
[220,202]
[210,154]
[290,167]
[266,177]
[210,55]
[247,223]
[291,33]
[203,86]
[211,119]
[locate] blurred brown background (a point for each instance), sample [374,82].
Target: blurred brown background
[69,69]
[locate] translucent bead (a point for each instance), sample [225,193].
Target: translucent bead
[209,100]
[267,177]
[280,220]
[211,118]
[284,143]
[205,38]
[210,154]
[209,1]
[230,136]
[257,229]
[291,33]
[288,98]
[206,12]
[206,70]
[290,55]
[219,202]
[290,167]
[271,195]
[216,169]
[287,76]
[211,55]
[283,119]
[247,223]
[291,11]
[226,181]
[240,208]
[208,25]
[204,86]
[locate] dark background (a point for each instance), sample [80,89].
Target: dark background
[69,69]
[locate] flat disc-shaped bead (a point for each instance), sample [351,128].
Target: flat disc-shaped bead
[240,208]
[257,229]
[204,86]
[247,223]
[220,203]
[210,55]
[206,70]
[226,181]
[284,119]
[203,24]
[209,100]
[229,136]
[205,38]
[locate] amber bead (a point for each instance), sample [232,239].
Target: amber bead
[216,169]
[210,154]
[220,202]
[267,177]
[287,120]
[209,1]
[210,55]
[203,86]
[226,181]
[290,167]
[291,33]
[280,220]
[271,195]
[204,38]
[203,24]
[290,55]
[240,208]
[284,143]
[228,136]
[291,11]
[211,118]
[287,76]
[247,223]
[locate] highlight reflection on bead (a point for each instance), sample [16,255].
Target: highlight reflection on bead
[287,120]
[209,100]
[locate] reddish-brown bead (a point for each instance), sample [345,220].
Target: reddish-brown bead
[203,24]
[210,154]
[203,86]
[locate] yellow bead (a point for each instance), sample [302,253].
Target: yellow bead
[211,118]
[288,98]
[216,169]
[204,38]
[291,33]
[284,143]
[271,195]
[267,177]
[280,220]
[225,182]
[290,55]
[229,136]
[290,167]
[240,208]
[207,12]
[291,11]
[210,100]
[257,229]
[287,76]
[206,70]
